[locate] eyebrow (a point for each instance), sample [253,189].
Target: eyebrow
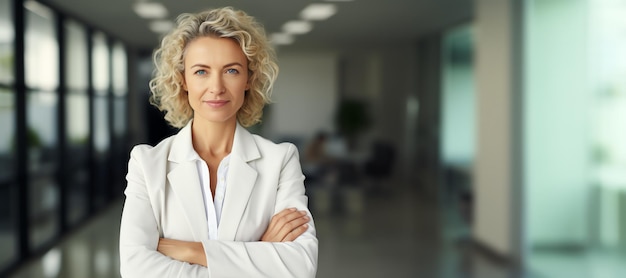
[225,66]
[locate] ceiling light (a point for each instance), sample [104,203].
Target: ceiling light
[150,10]
[161,26]
[281,39]
[318,11]
[297,27]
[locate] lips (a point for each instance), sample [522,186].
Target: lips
[215,103]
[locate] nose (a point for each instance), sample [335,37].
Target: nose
[216,84]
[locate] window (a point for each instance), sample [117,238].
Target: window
[42,80]
[77,121]
[102,131]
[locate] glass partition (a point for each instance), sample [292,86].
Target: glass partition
[608,134]
[36,107]
[43,199]
[120,69]
[41,47]
[77,56]
[457,130]
[120,89]
[6,42]
[102,132]
[8,235]
[120,150]
[77,121]
[575,159]
[457,110]
[42,79]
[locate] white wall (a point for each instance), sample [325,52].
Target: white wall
[305,94]
[493,173]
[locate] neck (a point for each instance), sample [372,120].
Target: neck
[213,138]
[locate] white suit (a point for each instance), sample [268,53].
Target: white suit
[164,199]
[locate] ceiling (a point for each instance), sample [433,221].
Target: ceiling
[356,22]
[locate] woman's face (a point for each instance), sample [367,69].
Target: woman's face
[216,78]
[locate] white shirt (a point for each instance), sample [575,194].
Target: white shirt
[213,207]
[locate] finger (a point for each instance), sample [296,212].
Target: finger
[275,225]
[281,214]
[290,217]
[299,225]
[285,212]
[297,222]
[280,225]
[292,224]
[296,233]
[285,219]
[279,220]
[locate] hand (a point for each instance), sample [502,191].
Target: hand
[184,251]
[286,225]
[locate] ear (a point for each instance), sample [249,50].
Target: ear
[248,80]
[184,83]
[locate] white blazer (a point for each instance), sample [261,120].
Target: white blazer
[164,199]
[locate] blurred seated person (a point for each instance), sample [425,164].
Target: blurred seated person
[316,158]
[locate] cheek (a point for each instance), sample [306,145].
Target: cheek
[188,98]
[193,87]
[240,101]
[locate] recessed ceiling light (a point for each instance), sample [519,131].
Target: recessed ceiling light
[297,27]
[161,26]
[150,10]
[281,39]
[318,11]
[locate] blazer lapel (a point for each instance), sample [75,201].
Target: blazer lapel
[240,183]
[185,182]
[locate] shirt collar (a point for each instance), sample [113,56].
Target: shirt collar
[244,145]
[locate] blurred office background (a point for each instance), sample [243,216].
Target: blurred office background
[460,138]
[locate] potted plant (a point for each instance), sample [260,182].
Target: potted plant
[352,119]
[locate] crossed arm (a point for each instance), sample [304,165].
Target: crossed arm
[285,226]
[287,248]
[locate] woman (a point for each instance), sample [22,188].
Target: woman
[214,200]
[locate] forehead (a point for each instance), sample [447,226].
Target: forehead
[214,50]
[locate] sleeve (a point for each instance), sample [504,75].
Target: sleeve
[265,259]
[139,234]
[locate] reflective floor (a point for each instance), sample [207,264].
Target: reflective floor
[91,251]
[397,234]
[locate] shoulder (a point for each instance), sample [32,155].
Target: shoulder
[274,149]
[146,151]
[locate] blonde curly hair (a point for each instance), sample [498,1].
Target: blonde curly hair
[166,85]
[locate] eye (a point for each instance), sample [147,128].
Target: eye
[232,71]
[200,72]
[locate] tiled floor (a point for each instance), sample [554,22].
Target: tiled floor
[394,235]
[91,251]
